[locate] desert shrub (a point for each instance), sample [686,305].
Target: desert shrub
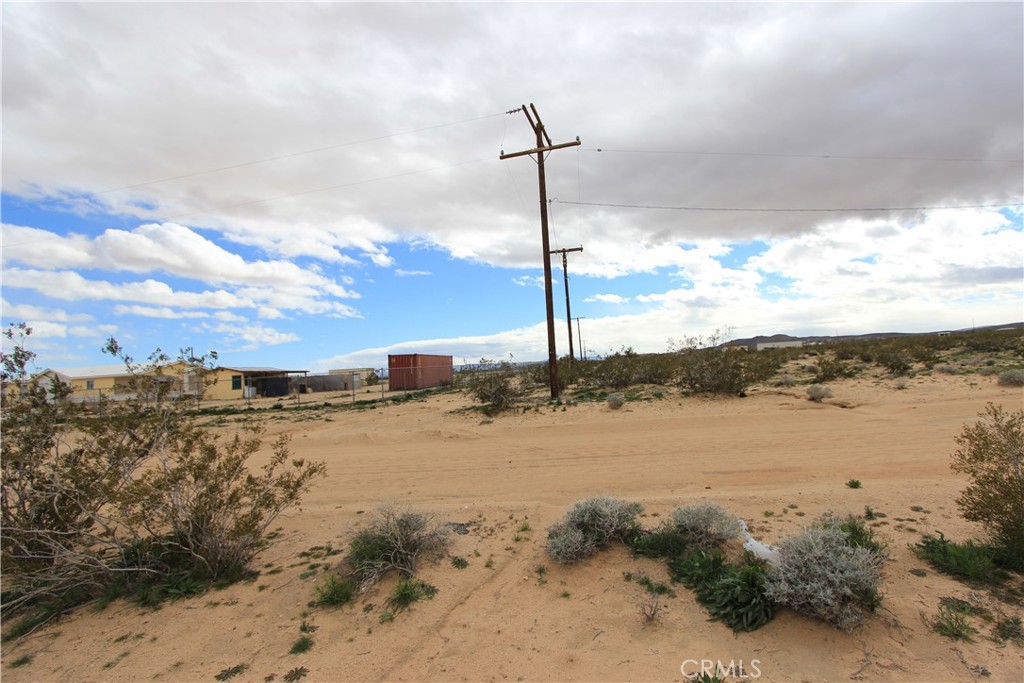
[946,369]
[829,369]
[858,534]
[395,540]
[567,544]
[130,495]
[991,452]
[951,623]
[372,379]
[818,393]
[819,573]
[615,401]
[1011,378]
[496,385]
[334,591]
[666,541]
[407,591]
[590,525]
[894,359]
[707,367]
[968,560]
[1008,629]
[736,595]
[706,524]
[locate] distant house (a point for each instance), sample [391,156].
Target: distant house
[178,379]
[778,345]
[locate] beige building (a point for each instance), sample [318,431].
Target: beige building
[179,379]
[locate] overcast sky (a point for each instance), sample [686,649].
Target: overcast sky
[314,186]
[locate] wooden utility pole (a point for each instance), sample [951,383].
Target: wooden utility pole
[539,150]
[565,276]
[583,350]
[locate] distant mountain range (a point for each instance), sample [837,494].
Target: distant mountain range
[819,339]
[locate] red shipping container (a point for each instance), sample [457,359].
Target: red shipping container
[418,371]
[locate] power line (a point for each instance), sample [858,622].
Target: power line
[800,156]
[787,210]
[303,152]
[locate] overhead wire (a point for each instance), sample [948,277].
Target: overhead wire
[802,156]
[790,209]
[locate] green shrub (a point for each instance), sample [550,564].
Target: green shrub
[407,591]
[395,540]
[737,596]
[666,541]
[1009,629]
[705,366]
[129,496]
[615,401]
[335,591]
[991,453]
[952,623]
[829,369]
[819,573]
[303,644]
[962,560]
[896,360]
[706,524]
[496,385]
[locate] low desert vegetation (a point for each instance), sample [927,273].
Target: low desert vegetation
[818,393]
[128,497]
[829,573]
[396,540]
[589,526]
[705,524]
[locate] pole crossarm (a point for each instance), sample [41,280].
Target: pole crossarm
[536,150]
[542,137]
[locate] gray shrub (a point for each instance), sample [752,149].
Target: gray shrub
[706,524]
[821,575]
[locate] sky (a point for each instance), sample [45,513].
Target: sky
[316,186]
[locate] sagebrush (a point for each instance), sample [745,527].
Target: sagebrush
[590,525]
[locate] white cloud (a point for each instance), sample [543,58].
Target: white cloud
[608,299]
[26,311]
[401,272]
[250,336]
[530,281]
[158,312]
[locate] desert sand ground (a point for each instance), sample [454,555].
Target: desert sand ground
[774,458]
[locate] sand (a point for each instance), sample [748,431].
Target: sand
[774,458]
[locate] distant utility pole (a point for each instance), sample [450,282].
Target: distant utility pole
[565,276]
[539,150]
[583,351]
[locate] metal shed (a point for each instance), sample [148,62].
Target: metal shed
[418,371]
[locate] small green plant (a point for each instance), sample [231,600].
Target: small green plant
[952,623]
[459,562]
[652,587]
[303,644]
[666,541]
[409,590]
[853,483]
[306,627]
[968,560]
[524,527]
[335,591]
[736,596]
[295,675]
[25,660]
[1009,629]
[231,672]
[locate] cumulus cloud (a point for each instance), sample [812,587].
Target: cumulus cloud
[608,299]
